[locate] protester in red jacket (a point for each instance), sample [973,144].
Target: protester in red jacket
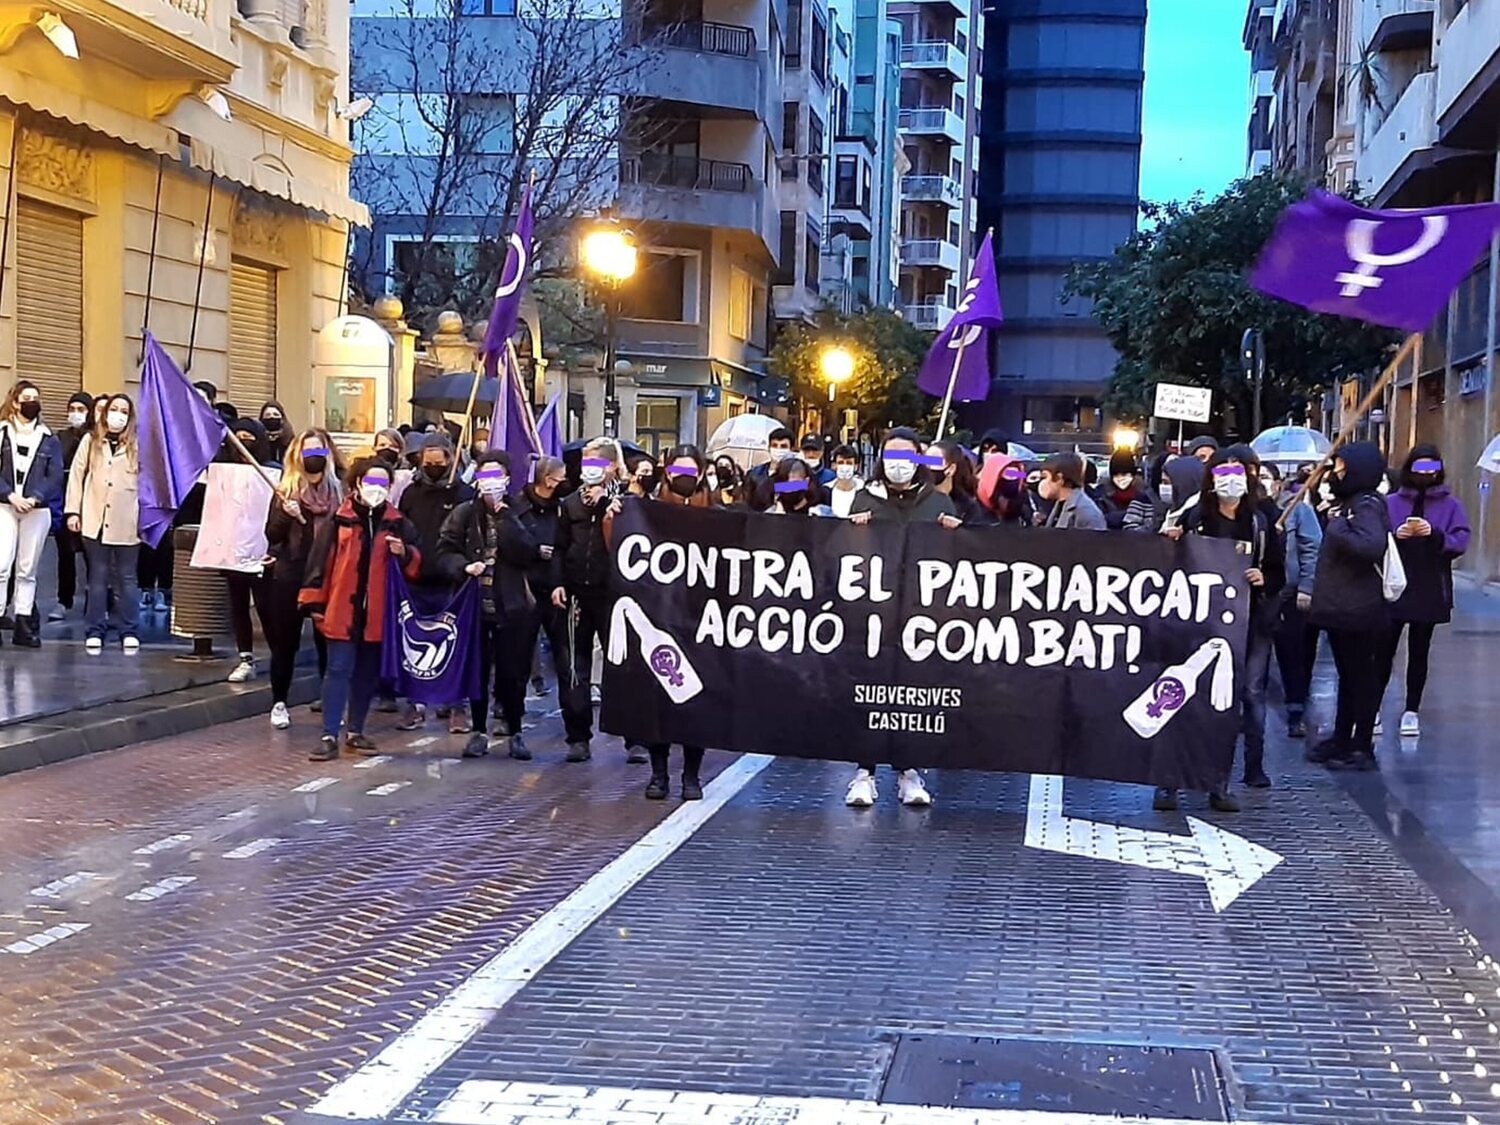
[345,591]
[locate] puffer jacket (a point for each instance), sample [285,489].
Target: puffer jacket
[918,504]
[506,594]
[1347,592]
[346,571]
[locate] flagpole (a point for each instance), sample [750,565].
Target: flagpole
[239,447]
[958,358]
[463,434]
[1347,430]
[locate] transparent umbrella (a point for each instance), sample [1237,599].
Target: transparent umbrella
[744,437]
[1291,445]
[1489,460]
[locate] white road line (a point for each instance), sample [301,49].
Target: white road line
[371,763]
[254,847]
[164,887]
[382,1084]
[240,814]
[387,789]
[418,743]
[483,1102]
[315,784]
[166,843]
[55,888]
[49,936]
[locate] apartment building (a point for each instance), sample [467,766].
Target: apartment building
[1303,126]
[1259,40]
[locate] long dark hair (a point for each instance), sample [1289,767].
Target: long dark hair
[794,468]
[1425,451]
[965,480]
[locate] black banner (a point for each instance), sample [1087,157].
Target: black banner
[1090,654]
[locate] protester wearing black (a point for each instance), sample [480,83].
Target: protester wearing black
[582,584]
[245,589]
[1126,499]
[756,491]
[485,539]
[538,508]
[433,495]
[279,433]
[70,546]
[993,441]
[958,480]
[1349,602]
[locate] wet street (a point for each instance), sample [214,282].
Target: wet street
[207,927]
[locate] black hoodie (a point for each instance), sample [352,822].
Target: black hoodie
[539,517]
[1347,592]
[428,504]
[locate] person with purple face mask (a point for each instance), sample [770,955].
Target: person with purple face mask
[485,539]
[1432,530]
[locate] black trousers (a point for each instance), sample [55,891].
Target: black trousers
[692,759]
[589,623]
[547,618]
[1418,652]
[505,654]
[1356,655]
[283,627]
[154,565]
[68,547]
[1295,656]
[243,589]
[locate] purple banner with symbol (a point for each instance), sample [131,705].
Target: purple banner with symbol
[966,340]
[1395,268]
[430,650]
[507,307]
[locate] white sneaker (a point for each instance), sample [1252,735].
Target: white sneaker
[131,644]
[93,645]
[1379,726]
[280,717]
[1411,726]
[243,672]
[914,794]
[862,792]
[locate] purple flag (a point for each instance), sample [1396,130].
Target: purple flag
[179,434]
[549,429]
[513,429]
[1395,268]
[430,648]
[507,307]
[978,313]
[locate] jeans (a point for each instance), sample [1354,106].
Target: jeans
[353,668]
[1356,655]
[112,571]
[1292,657]
[591,612]
[1418,650]
[283,627]
[22,540]
[505,652]
[1258,647]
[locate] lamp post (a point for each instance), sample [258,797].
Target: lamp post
[1253,360]
[837,365]
[609,254]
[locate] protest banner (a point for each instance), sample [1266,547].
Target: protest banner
[430,648]
[1057,652]
[232,535]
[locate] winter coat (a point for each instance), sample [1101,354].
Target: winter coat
[917,504]
[1135,509]
[1304,539]
[1077,513]
[540,517]
[45,480]
[103,492]
[289,542]
[581,554]
[1348,591]
[346,571]
[972,512]
[506,594]
[428,504]
[1429,560]
[1013,511]
[1256,526]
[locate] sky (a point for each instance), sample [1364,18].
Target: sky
[1197,98]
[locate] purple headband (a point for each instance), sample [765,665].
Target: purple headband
[1229,470]
[491,474]
[315,453]
[375,470]
[1014,471]
[1426,465]
[682,470]
[931,460]
[596,462]
[791,486]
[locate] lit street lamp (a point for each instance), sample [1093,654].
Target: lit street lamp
[608,252]
[1253,360]
[837,365]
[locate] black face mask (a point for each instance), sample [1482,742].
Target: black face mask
[682,485]
[314,466]
[272,425]
[389,457]
[31,411]
[435,473]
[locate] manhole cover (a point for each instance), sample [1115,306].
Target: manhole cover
[1049,1075]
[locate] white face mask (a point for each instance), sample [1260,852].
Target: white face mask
[812,462]
[780,455]
[1230,487]
[591,475]
[900,472]
[373,495]
[494,488]
[1123,481]
[78,419]
[844,472]
[1166,492]
[713,480]
[116,420]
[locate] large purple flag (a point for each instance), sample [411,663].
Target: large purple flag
[513,428]
[507,307]
[977,314]
[430,647]
[549,429]
[1395,268]
[179,434]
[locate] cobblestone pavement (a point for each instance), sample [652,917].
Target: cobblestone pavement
[212,928]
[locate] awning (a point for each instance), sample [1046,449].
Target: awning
[694,371]
[274,181]
[75,109]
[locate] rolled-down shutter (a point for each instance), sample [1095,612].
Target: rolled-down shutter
[49,303]
[252,336]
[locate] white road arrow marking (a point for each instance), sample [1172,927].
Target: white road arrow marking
[1228,863]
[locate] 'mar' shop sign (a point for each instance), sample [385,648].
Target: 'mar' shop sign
[1113,656]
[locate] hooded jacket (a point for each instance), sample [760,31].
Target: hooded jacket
[1186,476]
[428,504]
[1009,511]
[1347,592]
[1429,559]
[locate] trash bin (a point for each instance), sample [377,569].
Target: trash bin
[200,598]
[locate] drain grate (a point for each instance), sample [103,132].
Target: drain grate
[1056,1076]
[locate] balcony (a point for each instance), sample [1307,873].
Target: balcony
[958,8]
[710,38]
[931,253]
[930,316]
[1469,43]
[680,189]
[710,66]
[652,169]
[932,123]
[1402,25]
[936,57]
[1408,132]
[168,41]
[932,189]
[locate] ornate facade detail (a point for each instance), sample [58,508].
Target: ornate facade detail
[257,230]
[56,165]
[276,72]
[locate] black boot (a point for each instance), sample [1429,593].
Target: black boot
[692,762]
[25,634]
[1255,770]
[659,785]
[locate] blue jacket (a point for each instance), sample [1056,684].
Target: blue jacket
[1304,538]
[45,481]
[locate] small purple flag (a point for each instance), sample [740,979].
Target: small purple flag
[978,313]
[549,429]
[1396,268]
[507,307]
[430,648]
[179,434]
[513,428]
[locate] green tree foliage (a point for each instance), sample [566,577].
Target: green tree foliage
[887,352]
[1175,301]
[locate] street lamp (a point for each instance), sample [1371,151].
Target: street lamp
[1126,438]
[837,366]
[1253,360]
[608,252]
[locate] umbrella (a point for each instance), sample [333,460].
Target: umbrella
[450,393]
[1021,452]
[745,437]
[1291,445]
[1489,460]
[572,453]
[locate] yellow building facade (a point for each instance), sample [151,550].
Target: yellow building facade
[209,130]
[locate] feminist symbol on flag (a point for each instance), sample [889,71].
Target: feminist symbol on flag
[1359,241]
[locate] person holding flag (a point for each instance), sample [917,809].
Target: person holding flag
[958,363]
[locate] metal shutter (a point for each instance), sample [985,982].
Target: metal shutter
[252,336]
[49,303]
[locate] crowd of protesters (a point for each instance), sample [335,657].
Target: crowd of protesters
[1315,558]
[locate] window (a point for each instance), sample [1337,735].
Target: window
[819,48]
[846,182]
[658,423]
[487,7]
[815,152]
[665,287]
[786,259]
[814,240]
[740,304]
[486,123]
[789,114]
[794,34]
[441,261]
